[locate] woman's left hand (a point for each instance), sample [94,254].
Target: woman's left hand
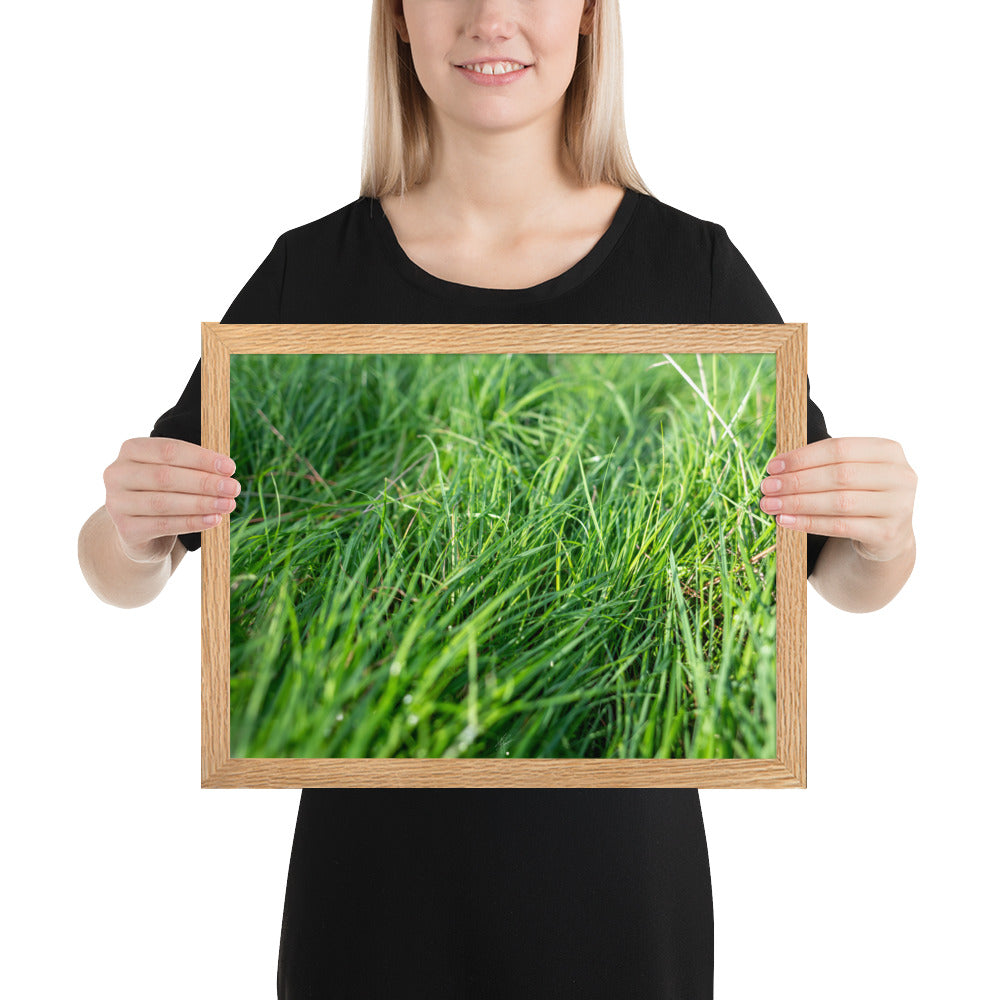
[851,487]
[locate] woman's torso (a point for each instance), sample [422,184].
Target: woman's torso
[497,892]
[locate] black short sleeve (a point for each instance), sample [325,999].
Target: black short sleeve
[736,295]
[258,302]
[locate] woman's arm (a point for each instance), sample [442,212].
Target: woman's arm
[859,492]
[115,577]
[853,582]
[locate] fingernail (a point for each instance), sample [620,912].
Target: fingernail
[225,466]
[210,520]
[776,465]
[771,485]
[786,519]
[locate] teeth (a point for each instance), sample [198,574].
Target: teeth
[495,69]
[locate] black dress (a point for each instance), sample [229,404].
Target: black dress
[589,894]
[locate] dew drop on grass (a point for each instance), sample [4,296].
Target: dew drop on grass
[395,667]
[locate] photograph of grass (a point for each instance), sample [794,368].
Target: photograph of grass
[503,557]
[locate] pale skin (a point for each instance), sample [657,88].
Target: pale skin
[156,489]
[859,492]
[502,209]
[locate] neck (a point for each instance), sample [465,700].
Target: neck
[497,181]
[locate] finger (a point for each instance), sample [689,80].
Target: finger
[160,504]
[872,476]
[138,531]
[866,530]
[832,451]
[173,451]
[840,503]
[141,477]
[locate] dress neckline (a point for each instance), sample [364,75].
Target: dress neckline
[549,289]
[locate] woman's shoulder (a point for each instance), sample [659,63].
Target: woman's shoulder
[702,254]
[666,222]
[334,225]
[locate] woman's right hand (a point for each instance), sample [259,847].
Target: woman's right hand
[158,488]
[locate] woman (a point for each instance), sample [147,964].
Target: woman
[498,187]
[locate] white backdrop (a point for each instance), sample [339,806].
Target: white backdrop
[156,151]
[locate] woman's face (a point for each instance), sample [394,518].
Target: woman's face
[540,35]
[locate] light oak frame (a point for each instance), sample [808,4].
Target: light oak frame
[788,769]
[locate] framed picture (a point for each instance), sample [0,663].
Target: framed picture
[503,556]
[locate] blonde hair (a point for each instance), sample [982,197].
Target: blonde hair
[396,151]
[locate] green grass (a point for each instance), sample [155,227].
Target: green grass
[502,556]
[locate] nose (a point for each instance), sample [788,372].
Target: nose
[489,19]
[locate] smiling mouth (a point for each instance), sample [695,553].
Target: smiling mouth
[493,68]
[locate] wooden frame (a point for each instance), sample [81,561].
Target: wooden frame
[787,769]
